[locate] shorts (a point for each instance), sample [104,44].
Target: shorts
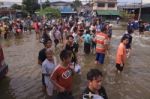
[100,57]
[93,45]
[37,31]
[128,46]
[87,48]
[119,67]
[64,95]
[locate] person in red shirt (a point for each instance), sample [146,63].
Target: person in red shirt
[121,54]
[36,28]
[101,40]
[62,76]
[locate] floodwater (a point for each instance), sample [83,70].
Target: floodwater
[23,80]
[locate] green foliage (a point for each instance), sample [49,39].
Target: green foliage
[76,4]
[16,6]
[50,12]
[30,5]
[46,4]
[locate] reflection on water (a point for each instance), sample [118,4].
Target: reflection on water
[24,80]
[5,90]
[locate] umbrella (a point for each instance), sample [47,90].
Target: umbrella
[4,17]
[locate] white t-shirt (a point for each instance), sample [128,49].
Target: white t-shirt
[94,96]
[75,35]
[47,68]
[51,35]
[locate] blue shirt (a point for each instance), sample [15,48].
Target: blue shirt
[87,38]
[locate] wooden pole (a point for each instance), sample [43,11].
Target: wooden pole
[140,10]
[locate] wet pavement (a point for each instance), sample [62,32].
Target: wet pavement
[24,77]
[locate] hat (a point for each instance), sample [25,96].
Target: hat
[110,25]
[79,22]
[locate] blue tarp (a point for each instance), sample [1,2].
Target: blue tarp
[66,10]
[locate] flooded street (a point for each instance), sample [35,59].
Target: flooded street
[23,80]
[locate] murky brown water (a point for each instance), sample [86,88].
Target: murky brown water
[24,78]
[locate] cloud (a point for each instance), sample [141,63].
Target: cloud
[11,0]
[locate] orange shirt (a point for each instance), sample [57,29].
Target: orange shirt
[121,54]
[101,42]
[63,77]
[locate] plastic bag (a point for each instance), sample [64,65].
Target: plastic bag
[77,69]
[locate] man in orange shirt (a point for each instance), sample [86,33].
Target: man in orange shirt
[121,54]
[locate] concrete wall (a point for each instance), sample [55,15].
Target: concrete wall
[60,5]
[95,7]
[104,0]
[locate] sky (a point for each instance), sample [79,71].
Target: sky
[123,1]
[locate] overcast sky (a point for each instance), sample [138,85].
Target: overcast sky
[125,1]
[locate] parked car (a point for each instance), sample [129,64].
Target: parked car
[3,65]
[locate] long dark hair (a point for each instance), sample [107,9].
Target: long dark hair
[123,38]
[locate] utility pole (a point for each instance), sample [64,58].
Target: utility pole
[41,5]
[140,10]
[1,4]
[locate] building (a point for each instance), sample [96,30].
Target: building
[145,12]
[60,4]
[7,11]
[8,4]
[65,8]
[134,9]
[106,8]
[129,8]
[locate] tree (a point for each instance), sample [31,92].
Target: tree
[30,5]
[76,4]
[16,6]
[50,12]
[46,4]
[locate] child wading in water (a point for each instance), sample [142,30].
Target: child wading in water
[71,46]
[47,68]
[93,33]
[87,42]
[121,54]
[42,57]
[62,76]
[128,45]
